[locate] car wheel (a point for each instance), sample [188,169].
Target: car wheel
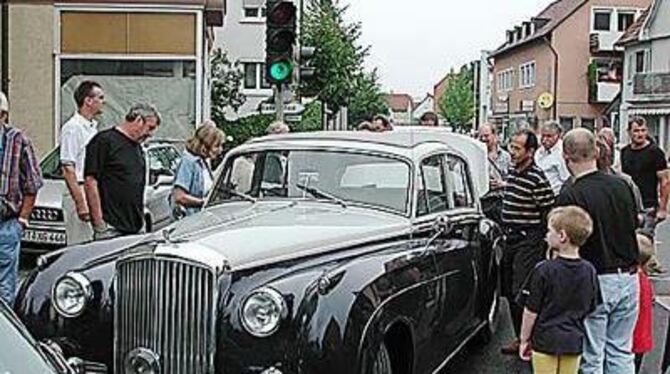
[382,361]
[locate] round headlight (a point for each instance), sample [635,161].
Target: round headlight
[262,312]
[70,294]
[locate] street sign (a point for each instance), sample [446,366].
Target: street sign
[291,108]
[293,118]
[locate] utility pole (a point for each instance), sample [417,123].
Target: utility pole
[279,101]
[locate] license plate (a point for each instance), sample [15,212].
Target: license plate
[44,236]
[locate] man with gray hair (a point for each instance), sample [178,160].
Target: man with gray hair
[115,174]
[611,248]
[549,157]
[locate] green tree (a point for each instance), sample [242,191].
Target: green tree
[457,103]
[338,60]
[226,86]
[367,99]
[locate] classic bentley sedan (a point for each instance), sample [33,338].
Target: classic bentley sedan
[332,252]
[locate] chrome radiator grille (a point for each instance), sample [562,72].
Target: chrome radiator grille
[168,307]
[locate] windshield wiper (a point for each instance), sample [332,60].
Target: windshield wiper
[241,195]
[321,194]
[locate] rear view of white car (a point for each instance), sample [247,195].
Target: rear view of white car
[47,230]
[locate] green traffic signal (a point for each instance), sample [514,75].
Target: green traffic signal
[281,70]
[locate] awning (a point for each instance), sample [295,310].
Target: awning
[650,110]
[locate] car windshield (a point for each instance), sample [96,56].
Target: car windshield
[50,165]
[341,177]
[18,355]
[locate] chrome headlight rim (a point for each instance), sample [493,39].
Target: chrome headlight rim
[83,283]
[279,302]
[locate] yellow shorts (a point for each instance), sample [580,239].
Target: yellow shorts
[550,364]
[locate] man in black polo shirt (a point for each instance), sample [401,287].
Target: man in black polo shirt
[613,251]
[115,173]
[527,199]
[646,165]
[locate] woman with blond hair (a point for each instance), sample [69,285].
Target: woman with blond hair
[194,175]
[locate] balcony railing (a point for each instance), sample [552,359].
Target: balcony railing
[651,84]
[603,41]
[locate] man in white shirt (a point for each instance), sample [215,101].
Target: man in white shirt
[75,135]
[550,156]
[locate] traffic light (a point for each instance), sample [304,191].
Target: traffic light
[306,71]
[280,38]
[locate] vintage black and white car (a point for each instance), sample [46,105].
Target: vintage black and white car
[332,252]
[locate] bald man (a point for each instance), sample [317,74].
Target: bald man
[613,251]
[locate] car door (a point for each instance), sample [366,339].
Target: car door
[454,207]
[161,160]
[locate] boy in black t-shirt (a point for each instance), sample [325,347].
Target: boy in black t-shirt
[559,294]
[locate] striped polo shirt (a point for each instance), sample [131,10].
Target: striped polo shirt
[528,198]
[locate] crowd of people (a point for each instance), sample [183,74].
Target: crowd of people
[579,219]
[580,300]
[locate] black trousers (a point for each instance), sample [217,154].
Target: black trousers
[523,251]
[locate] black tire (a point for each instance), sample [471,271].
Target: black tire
[382,361]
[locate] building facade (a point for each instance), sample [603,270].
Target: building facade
[144,51]
[401,108]
[422,106]
[646,85]
[562,64]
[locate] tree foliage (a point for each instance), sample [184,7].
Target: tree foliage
[340,78]
[367,99]
[226,85]
[457,103]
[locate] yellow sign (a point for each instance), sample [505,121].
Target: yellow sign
[545,100]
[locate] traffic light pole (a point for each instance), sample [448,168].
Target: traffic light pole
[279,101]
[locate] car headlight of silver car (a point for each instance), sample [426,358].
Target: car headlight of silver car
[70,294]
[262,312]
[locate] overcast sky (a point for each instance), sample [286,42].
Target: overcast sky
[415,42]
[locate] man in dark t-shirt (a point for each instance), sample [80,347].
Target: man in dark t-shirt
[611,249]
[115,173]
[646,165]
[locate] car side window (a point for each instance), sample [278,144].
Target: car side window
[433,193]
[461,191]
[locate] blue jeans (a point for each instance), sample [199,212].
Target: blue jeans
[10,246]
[609,329]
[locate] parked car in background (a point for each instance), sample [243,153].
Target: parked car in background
[47,230]
[332,252]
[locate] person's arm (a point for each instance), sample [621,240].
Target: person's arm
[70,177]
[181,197]
[93,199]
[30,179]
[664,192]
[527,324]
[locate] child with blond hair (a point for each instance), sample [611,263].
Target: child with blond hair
[558,295]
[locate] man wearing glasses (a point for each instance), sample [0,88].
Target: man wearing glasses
[115,174]
[550,156]
[75,135]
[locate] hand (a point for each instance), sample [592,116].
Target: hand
[525,351]
[84,214]
[661,215]
[497,183]
[23,222]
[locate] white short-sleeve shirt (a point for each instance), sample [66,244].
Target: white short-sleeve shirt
[75,135]
[553,165]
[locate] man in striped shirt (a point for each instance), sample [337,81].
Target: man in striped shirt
[527,200]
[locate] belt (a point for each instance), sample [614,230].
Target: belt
[629,269]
